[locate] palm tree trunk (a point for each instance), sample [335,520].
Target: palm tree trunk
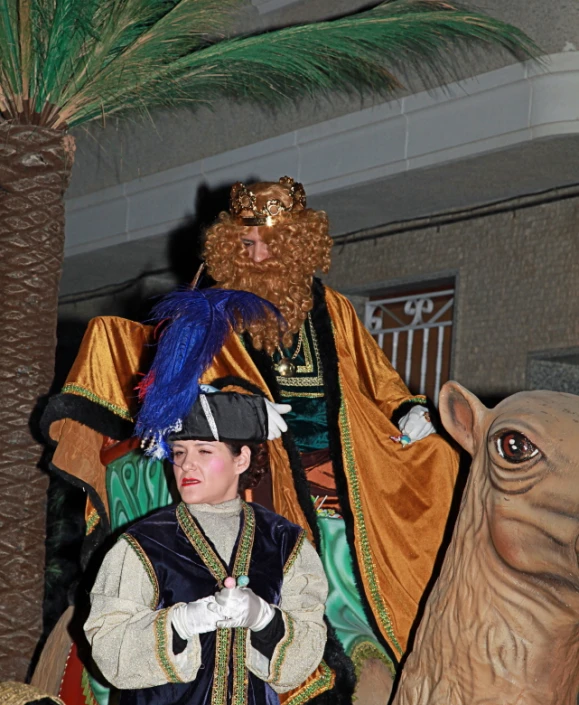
[35,166]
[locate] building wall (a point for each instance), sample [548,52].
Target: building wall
[517,279]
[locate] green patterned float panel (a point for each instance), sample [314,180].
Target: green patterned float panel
[136,486]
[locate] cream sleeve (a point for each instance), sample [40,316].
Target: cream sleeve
[131,640]
[299,652]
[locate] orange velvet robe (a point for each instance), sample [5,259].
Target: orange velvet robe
[399,497]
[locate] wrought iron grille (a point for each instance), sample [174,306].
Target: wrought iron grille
[415,333]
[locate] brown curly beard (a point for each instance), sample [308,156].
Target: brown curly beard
[298,247]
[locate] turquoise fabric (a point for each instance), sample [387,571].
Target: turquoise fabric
[309,423]
[305,392]
[100,693]
[344,606]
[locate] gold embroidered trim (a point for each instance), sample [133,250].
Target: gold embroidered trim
[92,521]
[419,400]
[308,366]
[224,636]
[243,557]
[323,683]
[240,674]
[147,565]
[206,552]
[87,691]
[221,667]
[294,554]
[82,392]
[316,381]
[365,650]
[307,395]
[281,648]
[161,650]
[196,538]
[300,381]
[354,488]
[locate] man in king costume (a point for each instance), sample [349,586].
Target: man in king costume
[374,508]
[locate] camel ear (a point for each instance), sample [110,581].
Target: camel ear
[461,413]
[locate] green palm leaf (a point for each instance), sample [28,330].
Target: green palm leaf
[76,60]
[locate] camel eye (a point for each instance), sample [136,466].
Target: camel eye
[514,447]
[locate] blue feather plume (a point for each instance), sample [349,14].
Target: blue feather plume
[197,326]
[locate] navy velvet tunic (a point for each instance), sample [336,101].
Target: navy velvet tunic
[187,567]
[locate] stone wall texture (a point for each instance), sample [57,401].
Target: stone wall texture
[517,285]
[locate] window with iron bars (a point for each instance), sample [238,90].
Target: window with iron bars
[414,329]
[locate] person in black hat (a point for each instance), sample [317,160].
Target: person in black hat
[214,599]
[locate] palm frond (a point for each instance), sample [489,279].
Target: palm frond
[104,57]
[67,44]
[10,77]
[70,28]
[135,39]
[375,51]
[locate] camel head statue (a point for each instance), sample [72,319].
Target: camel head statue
[527,453]
[501,625]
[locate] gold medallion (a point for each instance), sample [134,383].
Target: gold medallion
[286,368]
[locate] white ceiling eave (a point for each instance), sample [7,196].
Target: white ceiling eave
[516,105]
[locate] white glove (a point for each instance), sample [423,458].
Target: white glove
[208,389]
[275,423]
[416,424]
[196,617]
[241,607]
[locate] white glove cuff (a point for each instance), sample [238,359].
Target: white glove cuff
[179,620]
[266,614]
[275,423]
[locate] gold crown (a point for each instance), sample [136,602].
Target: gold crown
[248,208]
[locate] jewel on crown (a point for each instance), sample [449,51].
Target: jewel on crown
[242,199]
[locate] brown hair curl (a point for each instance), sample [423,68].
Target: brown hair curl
[258,465]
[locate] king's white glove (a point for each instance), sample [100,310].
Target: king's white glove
[196,617]
[241,607]
[275,423]
[416,424]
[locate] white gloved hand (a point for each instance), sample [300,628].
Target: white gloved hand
[241,607]
[196,617]
[275,423]
[208,389]
[416,424]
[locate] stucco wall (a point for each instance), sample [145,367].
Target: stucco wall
[517,277]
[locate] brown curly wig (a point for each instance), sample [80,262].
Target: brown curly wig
[299,244]
[258,466]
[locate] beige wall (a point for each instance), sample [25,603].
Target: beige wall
[517,285]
